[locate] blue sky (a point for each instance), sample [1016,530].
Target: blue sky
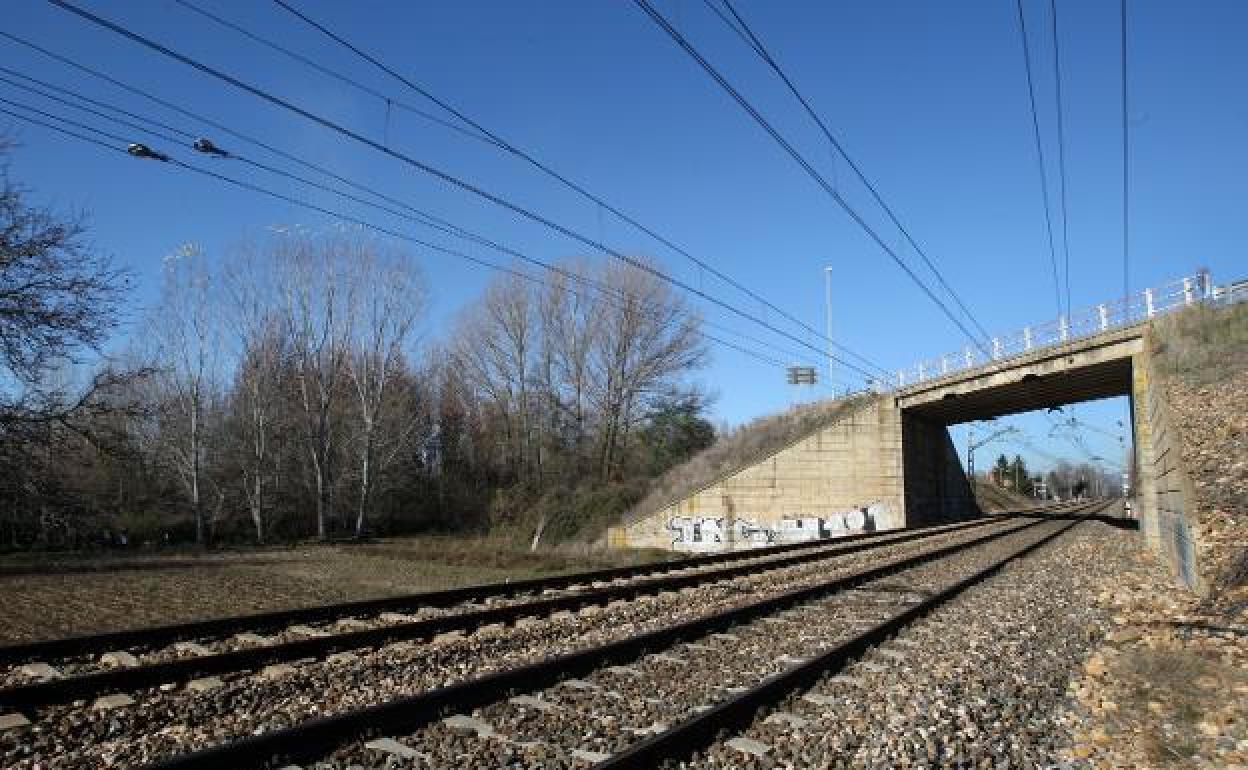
[929,98]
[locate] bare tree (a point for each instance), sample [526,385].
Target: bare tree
[495,345]
[185,329]
[59,299]
[257,328]
[389,300]
[571,323]
[318,300]
[648,338]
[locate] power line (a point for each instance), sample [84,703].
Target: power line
[314,207]
[759,48]
[438,173]
[1126,137]
[498,141]
[1044,177]
[1061,147]
[417,215]
[689,49]
[84,98]
[333,73]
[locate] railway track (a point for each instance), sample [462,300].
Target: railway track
[415,718]
[109,670]
[221,628]
[357,694]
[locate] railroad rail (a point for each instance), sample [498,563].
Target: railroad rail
[314,739]
[31,696]
[257,622]
[701,729]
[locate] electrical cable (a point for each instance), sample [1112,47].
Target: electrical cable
[1061,149]
[506,146]
[1044,177]
[314,207]
[760,49]
[689,49]
[1126,146]
[420,217]
[437,173]
[332,73]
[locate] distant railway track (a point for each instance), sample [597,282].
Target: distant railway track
[93,679]
[337,736]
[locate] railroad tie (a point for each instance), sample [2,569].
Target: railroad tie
[118,659]
[109,702]
[394,748]
[469,725]
[13,721]
[192,648]
[749,747]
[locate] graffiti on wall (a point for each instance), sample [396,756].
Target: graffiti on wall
[710,532]
[706,531]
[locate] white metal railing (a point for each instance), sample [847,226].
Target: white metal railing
[1086,322]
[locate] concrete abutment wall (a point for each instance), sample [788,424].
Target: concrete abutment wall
[873,468]
[844,477]
[1163,489]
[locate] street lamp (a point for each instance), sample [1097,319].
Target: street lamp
[827,298]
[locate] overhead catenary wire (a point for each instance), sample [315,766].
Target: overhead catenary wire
[1061,146]
[417,215]
[321,68]
[662,22]
[122,141]
[83,98]
[493,138]
[438,173]
[757,45]
[1044,177]
[1126,152]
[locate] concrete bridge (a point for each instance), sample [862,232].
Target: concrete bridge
[887,460]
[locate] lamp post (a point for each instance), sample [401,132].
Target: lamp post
[827,298]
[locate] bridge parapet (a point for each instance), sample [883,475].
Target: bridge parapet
[1081,324]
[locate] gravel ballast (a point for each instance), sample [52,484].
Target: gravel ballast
[174,720]
[982,682]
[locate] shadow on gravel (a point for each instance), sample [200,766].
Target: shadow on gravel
[1113,521]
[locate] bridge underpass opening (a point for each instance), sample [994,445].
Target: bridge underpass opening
[1031,407]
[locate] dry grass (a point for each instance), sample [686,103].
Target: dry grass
[1174,701]
[52,605]
[748,444]
[1203,344]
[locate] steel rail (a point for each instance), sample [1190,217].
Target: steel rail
[27,697]
[317,737]
[739,711]
[154,636]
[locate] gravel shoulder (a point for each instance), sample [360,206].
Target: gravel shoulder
[1168,687]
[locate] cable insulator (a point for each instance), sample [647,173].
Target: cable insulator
[143,151]
[208,148]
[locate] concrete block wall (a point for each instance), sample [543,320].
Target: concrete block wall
[1163,487]
[853,465]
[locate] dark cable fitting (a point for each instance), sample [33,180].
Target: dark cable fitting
[143,151]
[208,148]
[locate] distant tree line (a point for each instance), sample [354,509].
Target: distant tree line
[291,388]
[1065,480]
